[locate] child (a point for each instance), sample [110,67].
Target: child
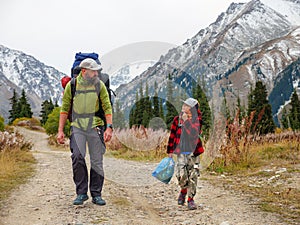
[184,141]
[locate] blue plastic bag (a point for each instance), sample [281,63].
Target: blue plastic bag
[165,170]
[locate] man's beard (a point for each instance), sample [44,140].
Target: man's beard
[92,80]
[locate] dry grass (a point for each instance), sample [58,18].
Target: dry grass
[264,167]
[52,142]
[16,162]
[239,147]
[138,144]
[269,173]
[15,168]
[29,123]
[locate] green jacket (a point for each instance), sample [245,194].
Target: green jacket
[86,102]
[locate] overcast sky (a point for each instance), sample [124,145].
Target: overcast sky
[54,30]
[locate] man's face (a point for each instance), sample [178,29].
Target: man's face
[90,75]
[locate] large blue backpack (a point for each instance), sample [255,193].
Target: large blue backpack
[79,57]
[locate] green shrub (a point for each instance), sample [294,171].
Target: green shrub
[51,125]
[1,123]
[25,121]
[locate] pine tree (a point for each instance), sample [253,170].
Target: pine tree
[147,105]
[225,109]
[285,119]
[161,109]
[241,109]
[119,118]
[294,114]
[263,122]
[171,110]
[140,107]
[157,110]
[2,125]
[47,107]
[199,94]
[24,106]
[250,100]
[179,97]
[56,104]
[155,102]
[131,117]
[14,112]
[134,111]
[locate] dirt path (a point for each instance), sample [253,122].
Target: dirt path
[133,197]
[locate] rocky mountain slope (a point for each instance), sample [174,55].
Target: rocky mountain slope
[21,71]
[250,41]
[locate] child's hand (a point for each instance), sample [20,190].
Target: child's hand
[184,116]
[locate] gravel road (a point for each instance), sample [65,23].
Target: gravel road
[133,196]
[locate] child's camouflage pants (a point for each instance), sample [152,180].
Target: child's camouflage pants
[187,173]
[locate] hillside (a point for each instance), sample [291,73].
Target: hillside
[21,71]
[249,42]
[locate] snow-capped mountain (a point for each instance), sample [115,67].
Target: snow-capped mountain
[250,41]
[287,8]
[20,71]
[128,72]
[123,64]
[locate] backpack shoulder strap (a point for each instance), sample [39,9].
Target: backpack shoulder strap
[73,87]
[98,87]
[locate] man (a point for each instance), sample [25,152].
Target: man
[87,127]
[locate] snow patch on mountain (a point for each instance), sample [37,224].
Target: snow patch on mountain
[288,8]
[128,72]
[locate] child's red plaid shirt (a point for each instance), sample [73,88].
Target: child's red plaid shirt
[192,129]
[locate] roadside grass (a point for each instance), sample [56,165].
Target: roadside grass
[16,162]
[52,142]
[138,144]
[258,155]
[153,155]
[270,173]
[281,191]
[15,168]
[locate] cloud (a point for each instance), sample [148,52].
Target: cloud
[53,31]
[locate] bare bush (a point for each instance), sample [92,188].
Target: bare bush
[138,138]
[239,138]
[13,141]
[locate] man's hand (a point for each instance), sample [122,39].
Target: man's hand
[60,137]
[62,121]
[108,134]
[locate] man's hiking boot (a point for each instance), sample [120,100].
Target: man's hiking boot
[98,200]
[181,199]
[80,199]
[191,205]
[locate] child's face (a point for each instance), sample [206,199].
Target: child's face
[186,108]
